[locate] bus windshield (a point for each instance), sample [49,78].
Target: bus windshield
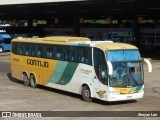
[127,68]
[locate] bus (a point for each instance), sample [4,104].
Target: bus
[5,41]
[94,69]
[8,33]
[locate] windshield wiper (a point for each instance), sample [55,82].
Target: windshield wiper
[133,78]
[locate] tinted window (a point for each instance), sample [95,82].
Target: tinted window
[33,50]
[19,48]
[39,51]
[26,49]
[48,51]
[85,55]
[72,54]
[60,53]
[122,55]
[64,53]
[100,66]
[14,48]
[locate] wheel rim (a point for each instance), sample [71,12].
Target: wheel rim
[32,81]
[25,79]
[86,93]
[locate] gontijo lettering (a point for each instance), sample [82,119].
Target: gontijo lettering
[37,63]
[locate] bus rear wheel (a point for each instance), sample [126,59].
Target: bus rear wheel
[25,79]
[86,94]
[33,81]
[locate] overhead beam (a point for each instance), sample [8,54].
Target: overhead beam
[12,2]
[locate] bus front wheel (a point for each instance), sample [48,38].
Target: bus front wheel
[33,81]
[86,94]
[25,79]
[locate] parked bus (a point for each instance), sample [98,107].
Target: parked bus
[8,33]
[5,42]
[94,69]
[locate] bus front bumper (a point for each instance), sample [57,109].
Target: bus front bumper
[124,97]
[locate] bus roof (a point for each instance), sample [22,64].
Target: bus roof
[115,46]
[77,41]
[53,40]
[65,39]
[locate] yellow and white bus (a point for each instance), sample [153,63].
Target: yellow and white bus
[94,69]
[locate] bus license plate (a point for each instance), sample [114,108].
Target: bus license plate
[129,97]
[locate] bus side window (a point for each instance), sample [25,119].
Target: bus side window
[60,53]
[89,56]
[33,50]
[14,46]
[27,49]
[38,51]
[72,54]
[66,54]
[85,55]
[19,48]
[49,52]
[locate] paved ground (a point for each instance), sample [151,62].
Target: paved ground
[14,96]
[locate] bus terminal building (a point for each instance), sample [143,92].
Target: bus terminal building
[129,21]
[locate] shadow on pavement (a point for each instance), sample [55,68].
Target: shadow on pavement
[9,75]
[96,101]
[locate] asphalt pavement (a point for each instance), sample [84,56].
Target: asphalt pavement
[14,96]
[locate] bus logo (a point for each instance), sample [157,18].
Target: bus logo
[37,63]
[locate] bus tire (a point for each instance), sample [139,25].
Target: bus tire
[33,83]
[25,79]
[86,94]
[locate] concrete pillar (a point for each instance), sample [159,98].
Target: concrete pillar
[76,27]
[136,31]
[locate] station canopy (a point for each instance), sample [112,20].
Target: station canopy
[78,8]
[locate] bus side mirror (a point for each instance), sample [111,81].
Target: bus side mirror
[110,68]
[149,64]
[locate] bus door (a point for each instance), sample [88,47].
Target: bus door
[100,67]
